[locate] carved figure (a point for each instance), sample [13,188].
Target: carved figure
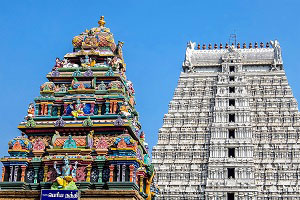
[30,110]
[90,40]
[92,62]
[70,143]
[188,54]
[67,175]
[58,64]
[63,88]
[122,144]
[54,137]
[124,109]
[277,51]
[120,53]
[90,140]
[102,86]
[77,108]
[67,64]
[130,87]
[85,62]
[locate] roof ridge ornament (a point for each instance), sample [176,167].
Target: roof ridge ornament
[101,22]
[188,55]
[277,51]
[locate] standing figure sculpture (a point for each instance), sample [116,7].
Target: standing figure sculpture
[277,51]
[66,176]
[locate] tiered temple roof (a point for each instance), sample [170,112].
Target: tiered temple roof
[83,127]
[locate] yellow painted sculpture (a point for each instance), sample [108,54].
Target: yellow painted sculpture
[148,185]
[67,178]
[77,109]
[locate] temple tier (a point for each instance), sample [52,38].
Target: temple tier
[83,131]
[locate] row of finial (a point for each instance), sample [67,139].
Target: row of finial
[238,45]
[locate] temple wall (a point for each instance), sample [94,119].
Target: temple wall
[85,195]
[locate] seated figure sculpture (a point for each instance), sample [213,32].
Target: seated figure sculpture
[85,62]
[66,176]
[77,109]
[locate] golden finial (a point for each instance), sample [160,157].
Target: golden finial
[101,22]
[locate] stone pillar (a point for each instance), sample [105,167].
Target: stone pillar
[65,108]
[100,161]
[114,107]
[45,173]
[123,173]
[134,175]
[49,109]
[36,173]
[23,167]
[11,175]
[16,173]
[3,173]
[58,110]
[100,168]
[36,109]
[141,183]
[131,168]
[119,105]
[92,108]
[44,109]
[106,108]
[118,173]
[88,174]
[111,173]
[99,109]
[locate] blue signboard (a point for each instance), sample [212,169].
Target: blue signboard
[60,195]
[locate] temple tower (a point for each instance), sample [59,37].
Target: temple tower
[232,128]
[83,131]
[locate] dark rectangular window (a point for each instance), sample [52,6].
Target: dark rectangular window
[231,102]
[231,117]
[231,68]
[231,78]
[231,152]
[231,173]
[231,133]
[230,196]
[231,89]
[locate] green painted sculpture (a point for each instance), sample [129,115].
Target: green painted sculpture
[70,143]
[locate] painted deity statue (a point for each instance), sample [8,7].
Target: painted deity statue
[66,176]
[58,64]
[77,108]
[30,110]
[70,143]
[124,109]
[85,62]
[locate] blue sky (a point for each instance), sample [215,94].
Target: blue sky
[34,33]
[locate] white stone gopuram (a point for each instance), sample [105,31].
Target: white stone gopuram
[232,129]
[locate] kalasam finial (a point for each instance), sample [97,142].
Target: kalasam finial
[101,22]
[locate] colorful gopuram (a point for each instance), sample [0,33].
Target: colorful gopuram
[83,131]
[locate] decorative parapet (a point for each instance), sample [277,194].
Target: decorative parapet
[213,56]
